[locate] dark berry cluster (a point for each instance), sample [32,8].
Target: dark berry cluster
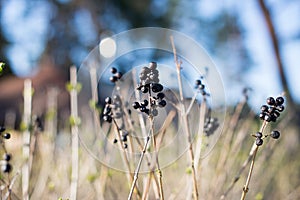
[112,108]
[200,86]
[149,74]
[149,83]
[272,110]
[259,136]
[6,167]
[210,125]
[115,75]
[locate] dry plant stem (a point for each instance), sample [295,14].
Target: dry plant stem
[237,145]
[147,185]
[74,132]
[253,152]
[104,170]
[228,140]
[155,186]
[8,188]
[200,133]
[162,133]
[191,104]
[26,138]
[136,173]
[125,158]
[47,152]
[93,75]
[161,193]
[185,120]
[143,128]
[11,183]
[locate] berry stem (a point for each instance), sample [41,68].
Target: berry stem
[156,157]
[136,173]
[151,119]
[252,154]
[144,133]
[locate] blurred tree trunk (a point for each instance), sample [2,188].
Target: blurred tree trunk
[278,55]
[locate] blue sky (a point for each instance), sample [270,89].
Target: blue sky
[28,32]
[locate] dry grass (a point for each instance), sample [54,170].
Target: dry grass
[276,173]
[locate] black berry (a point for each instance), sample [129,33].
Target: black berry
[106,110]
[160,95]
[264,108]
[6,168]
[108,100]
[124,138]
[267,118]
[115,141]
[6,157]
[162,103]
[145,103]
[113,79]
[259,141]
[107,118]
[280,108]
[270,101]
[6,136]
[262,116]
[144,89]
[119,75]
[113,70]
[143,109]
[258,135]
[201,86]
[153,65]
[276,114]
[136,105]
[279,100]
[2,129]
[198,82]
[275,134]
[157,87]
